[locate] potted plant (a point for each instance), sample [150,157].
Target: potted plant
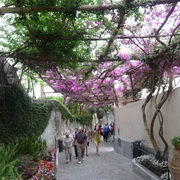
[176,142]
[174,159]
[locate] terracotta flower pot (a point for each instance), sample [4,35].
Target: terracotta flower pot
[177,147]
[174,164]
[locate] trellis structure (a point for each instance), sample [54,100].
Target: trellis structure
[57,39]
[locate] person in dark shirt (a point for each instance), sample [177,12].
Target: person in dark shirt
[81,144]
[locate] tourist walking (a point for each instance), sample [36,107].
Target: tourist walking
[97,140]
[88,134]
[106,131]
[68,141]
[81,144]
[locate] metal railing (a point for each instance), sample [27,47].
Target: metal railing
[56,162]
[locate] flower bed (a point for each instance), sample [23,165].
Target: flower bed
[46,168]
[158,167]
[26,166]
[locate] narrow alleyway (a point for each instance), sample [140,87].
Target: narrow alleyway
[108,166]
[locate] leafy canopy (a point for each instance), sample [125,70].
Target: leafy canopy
[99,53]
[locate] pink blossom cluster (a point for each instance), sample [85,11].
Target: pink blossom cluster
[108,83]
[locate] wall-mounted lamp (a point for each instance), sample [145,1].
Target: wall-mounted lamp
[11,78]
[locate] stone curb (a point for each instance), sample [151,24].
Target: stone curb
[143,172]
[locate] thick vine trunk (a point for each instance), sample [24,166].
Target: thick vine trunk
[143,108]
[158,113]
[161,134]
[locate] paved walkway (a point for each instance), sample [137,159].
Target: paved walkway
[108,166]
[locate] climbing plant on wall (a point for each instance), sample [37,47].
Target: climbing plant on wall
[84,119]
[57,102]
[20,116]
[81,113]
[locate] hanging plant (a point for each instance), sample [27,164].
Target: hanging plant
[176,142]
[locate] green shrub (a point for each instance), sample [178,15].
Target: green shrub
[33,146]
[8,161]
[12,157]
[26,166]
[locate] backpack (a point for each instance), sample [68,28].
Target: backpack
[106,129]
[81,138]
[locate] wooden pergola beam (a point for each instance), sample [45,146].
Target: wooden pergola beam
[20,10]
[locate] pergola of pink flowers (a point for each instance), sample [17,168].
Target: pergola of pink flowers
[150,58]
[115,76]
[142,51]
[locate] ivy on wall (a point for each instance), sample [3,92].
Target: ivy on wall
[20,116]
[81,113]
[73,112]
[84,119]
[59,106]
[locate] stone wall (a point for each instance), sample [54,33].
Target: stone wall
[50,131]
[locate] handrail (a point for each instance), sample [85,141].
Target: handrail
[56,162]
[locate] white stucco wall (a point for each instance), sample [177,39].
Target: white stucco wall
[50,131]
[56,128]
[108,118]
[129,123]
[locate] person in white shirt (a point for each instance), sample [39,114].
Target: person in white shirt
[68,143]
[88,134]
